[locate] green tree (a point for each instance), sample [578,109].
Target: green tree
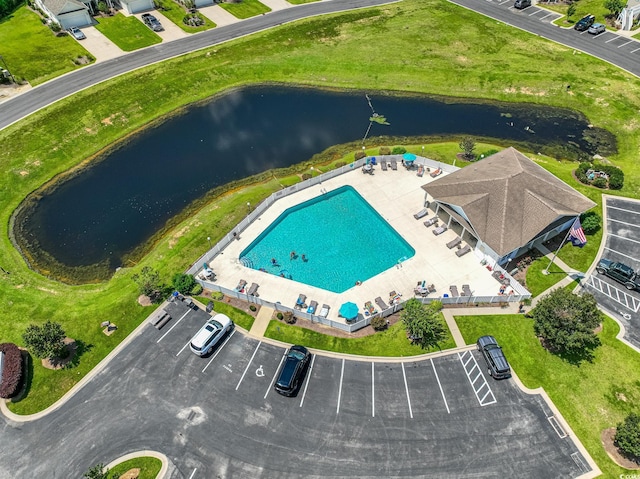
[627,436]
[614,6]
[571,11]
[590,222]
[46,341]
[423,323]
[566,322]
[97,472]
[149,284]
[467,145]
[184,283]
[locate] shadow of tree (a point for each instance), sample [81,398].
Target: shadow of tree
[81,349]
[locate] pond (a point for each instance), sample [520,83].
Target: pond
[108,210]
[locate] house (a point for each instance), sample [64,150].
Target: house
[504,205]
[628,14]
[67,13]
[137,6]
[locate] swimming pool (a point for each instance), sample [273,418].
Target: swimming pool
[338,240]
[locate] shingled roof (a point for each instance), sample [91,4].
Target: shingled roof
[507,198]
[58,6]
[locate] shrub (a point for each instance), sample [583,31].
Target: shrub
[289,318]
[197,289]
[384,150]
[359,154]
[279,315]
[253,308]
[103,7]
[12,372]
[378,323]
[340,164]
[217,296]
[193,20]
[590,222]
[183,283]
[306,176]
[398,150]
[55,27]
[600,183]
[46,341]
[627,436]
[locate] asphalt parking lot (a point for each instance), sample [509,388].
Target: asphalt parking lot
[621,244]
[532,11]
[219,417]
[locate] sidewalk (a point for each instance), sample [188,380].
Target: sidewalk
[259,326]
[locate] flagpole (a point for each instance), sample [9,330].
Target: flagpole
[546,271]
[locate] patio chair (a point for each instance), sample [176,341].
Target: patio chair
[324,312]
[454,242]
[300,302]
[313,305]
[383,165]
[253,289]
[394,165]
[421,214]
[431,288]
[241,285]
[463,251]
[420,171]
[466,291]
[431,221]
[454,291]
[439,230]
[436,172]
[369,308]
[381,304]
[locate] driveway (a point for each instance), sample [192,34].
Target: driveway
[621,225]
[99,46]
[171,30]
[219,416]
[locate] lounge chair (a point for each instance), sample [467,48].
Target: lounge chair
[439,230]
[436,172]
[300,302]
[463,251]
[431,221]
[324,312]
[454,291]
[383,165]
[394,298]
[431,288]
[381,304]
[313,305]
[454,242]
[466,291]
[420,171]
[369,308]
[421,214]
[241,285]
[394,165]
[253,289]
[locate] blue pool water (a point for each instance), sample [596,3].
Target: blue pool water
[343,239]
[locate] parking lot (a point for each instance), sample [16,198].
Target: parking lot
[621,244]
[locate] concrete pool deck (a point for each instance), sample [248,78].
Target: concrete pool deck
[397,196]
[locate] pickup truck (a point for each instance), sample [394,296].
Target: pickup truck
[620,272]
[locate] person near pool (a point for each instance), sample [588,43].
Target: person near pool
[304,258]
[293,255]
[274,262]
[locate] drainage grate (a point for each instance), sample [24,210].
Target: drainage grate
[557,427]
[577,458]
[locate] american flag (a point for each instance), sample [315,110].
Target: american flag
[576,234]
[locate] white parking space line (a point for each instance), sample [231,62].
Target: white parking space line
[633,51]
[373,393]
[248,364]
[171,328]
[304,393]
[628,301]
[219,349]
[440,386]
[623,209]
[535,13]
[622,237]
[479,382]
[547,15]
[611,220]
[621,254]
[505,1]
[627,43]
[614,38]
[183,348]
[193,473]
[340,388]
[406,388]
[273,380]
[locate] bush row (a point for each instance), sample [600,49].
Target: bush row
[12,371]
[615,174]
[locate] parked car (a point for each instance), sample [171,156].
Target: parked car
[584,23]
[620,272]
[77,33]
[152,22]
[292,370]
[520,4]
[494,357]
[596,29]
[210,334]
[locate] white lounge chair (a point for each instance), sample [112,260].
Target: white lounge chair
[421,214]
[324,312]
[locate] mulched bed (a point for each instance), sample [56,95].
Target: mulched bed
[607,437]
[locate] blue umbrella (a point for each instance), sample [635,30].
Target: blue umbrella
[409,157]
[349,310]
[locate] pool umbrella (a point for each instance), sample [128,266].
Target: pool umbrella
[409,157]
[349,310]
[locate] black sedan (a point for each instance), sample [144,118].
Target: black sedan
[292,371]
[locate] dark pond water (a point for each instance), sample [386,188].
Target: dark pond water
[118,204]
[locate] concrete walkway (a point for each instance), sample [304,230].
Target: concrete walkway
[261,322]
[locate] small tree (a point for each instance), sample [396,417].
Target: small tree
[614,6]
[566,322]
[148,281]
[184,283]
[423,323]
[467,145]
[103,7]
[46,341]
[590,222]
[627,436]
[571,11]
[97,472]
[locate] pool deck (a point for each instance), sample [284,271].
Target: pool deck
[397,196]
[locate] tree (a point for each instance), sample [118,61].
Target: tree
[467,145]
[590,222]
[566,323]
[615,6]
[184,283]
[571,11]
[97,472]
[46,341]
[423,323]
[627,436]
[149,284]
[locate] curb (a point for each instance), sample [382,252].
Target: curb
[163,459]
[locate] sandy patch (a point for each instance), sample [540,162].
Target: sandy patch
[24,172]
[47,290]
[59,363]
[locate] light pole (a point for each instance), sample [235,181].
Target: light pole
[248,207]
[209,240]
[423,151]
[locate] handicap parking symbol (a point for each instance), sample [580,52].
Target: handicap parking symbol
[260,372]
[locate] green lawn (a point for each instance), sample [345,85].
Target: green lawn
[383,48]
[591,397]
[149,467]
[176,14]
[128,33]
[245,9]
[392,342]
[583,8]
[32,51]
[239,317]
[537,282]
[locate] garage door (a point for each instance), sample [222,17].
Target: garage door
[135,6]
[81,18]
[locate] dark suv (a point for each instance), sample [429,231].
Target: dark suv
[494,357]
[584,23]
[292,371]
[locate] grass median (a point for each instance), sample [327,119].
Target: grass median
[149,468]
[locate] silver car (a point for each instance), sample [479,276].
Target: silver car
[210,334]
[597,29]
[77,33]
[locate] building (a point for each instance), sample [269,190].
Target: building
[67,13]
[629,14]
[505,204]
